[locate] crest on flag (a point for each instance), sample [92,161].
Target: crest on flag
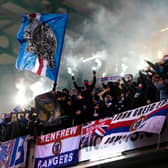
[56,148]
[41,39]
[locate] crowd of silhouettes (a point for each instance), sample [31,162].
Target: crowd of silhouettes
[91,102]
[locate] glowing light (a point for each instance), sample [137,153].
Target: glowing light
[100,54]
[104,74]
[20,99]
[159,54]
[141,65]
[69,70]
[163,30]
[122,74]
[20,85]
[91,58]
[124,67]
[36,88]
[93,68]
[81,59]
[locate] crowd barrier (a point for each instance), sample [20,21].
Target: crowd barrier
[95,140]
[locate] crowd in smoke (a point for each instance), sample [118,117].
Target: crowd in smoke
[116,31]
[122,32]
[90,101]
[114,39]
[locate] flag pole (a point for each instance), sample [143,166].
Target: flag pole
[54,86]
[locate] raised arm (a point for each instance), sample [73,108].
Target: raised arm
[75,84]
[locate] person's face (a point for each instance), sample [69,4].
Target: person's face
[155,78]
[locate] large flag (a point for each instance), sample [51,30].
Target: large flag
[148,118]
[58,149]
[103,138]
[13,153]
[41,38]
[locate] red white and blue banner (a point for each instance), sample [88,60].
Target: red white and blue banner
[119,129]
[13,153]
[58,149]
[148,118]
[41,38]
[115,78]
[93,131]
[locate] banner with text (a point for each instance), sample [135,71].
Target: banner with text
[13,153]
[119,128]
[58,149]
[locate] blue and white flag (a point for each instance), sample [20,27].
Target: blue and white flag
[13,153]
[41,38]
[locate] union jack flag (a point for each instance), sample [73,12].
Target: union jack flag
[93,130]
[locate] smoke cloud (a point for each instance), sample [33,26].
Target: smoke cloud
[122,33]
[116,39]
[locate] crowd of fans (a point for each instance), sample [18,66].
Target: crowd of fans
[89,102]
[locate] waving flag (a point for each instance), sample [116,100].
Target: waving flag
[107,137]
[41,39]
[148,118]
[13,153]
[58,149]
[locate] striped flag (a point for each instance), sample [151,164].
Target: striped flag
[13,152]
[58,149]
[41,39]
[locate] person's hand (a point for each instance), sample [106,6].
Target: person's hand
[107,89]
[94,72]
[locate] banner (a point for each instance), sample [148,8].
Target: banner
[45,105]
[148,119]
[41,39]
[58,149]
[92,132]
[13,153]
[115,78]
